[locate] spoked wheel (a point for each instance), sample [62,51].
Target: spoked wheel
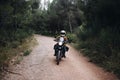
[58,58]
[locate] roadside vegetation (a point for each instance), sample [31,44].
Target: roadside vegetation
[12,56]
[92,25]
[16,36]
[99,36]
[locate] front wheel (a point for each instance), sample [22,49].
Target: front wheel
[57,62]
[58,57]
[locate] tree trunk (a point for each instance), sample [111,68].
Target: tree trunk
[70,23]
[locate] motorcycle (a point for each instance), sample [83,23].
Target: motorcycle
[60,50]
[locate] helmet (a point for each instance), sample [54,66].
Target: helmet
[63,32]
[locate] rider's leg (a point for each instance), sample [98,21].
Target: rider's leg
[64,52]
[55,52]
[65,49]
[55,49]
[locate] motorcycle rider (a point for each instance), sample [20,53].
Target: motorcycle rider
[62,34]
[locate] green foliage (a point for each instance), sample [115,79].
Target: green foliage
[27,52]
[103,49]
[15,18]
[35,5]
[59,15]
[99,37]
[13,53]
[71,38]
[38,23]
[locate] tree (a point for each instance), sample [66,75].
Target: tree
[15,16]
[100,34]
[66,14]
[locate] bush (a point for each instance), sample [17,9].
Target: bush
[27,52]
[72,38]
[102,48]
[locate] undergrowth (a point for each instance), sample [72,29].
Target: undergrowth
[14,54]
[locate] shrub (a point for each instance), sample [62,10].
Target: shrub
[102,49]
[72,38]
[27,52]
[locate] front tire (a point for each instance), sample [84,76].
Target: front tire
[57,62]
[58,57]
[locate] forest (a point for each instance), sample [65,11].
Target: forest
[92,26]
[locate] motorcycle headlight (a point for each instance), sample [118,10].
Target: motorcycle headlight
[60,43]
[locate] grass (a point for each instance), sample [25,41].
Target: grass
[101,55]
[15,54]
[27,52]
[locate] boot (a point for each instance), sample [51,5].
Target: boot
[64,55]
[55,53]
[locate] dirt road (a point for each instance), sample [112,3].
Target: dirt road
[41,65]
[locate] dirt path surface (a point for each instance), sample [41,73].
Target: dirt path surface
[41,65]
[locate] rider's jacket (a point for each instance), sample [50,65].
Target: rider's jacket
[65,39]
[65,42]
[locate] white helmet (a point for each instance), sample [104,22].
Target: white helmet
[63,32]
